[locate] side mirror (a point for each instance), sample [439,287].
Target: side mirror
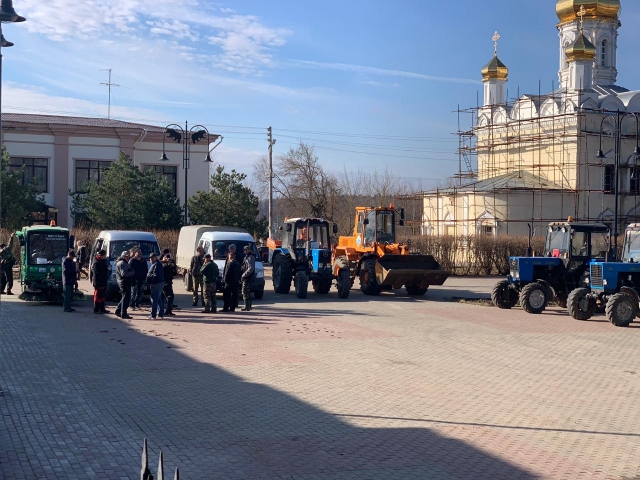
[366,221]
[401,214]
[288,227]
[22,241]
[335,228]
[72,241]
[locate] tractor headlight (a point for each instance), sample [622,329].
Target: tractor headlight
[604,282]
[320,266]
[586,280]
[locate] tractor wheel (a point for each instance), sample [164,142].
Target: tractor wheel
[533,298]
[504,296]
[579,305]
[368,283]
[344,283]
[188,283]
[282,274]
[415,290]
[301,282]
[621,309]
[322,286]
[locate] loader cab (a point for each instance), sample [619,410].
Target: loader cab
[377,225]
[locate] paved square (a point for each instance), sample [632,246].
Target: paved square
[366,388]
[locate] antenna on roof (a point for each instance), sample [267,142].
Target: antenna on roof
[109,84]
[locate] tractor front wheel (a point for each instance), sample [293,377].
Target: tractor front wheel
[368,283]
[282,274]
[301,282]
[504,296]
[343,283]
[580,305]
[533,298]
[621,309]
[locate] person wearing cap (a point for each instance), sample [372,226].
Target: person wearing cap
[99,279]
[170,271]
[209,272]
[231,280]
[125,275]
[248,276]
[155,279]
[197,262]
[69,279]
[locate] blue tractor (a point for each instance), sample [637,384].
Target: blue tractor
[535,281]
[303,255]
[614,285]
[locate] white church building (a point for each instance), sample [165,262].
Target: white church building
[545,157]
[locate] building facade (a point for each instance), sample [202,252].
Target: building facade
[538,156]
[61,154]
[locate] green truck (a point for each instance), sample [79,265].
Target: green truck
[42,250]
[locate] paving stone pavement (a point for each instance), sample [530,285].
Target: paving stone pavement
[365,388]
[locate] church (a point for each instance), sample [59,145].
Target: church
[545,157]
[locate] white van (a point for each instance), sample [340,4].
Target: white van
[217,244]
[114,242]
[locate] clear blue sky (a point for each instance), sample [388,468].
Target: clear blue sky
[378,71]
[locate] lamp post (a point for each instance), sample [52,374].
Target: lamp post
[7,15]
[618,118]
[186,137]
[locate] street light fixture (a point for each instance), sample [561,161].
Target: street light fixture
[618,117]
[186,137]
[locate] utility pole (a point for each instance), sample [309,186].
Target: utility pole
[272,142]
[109,84]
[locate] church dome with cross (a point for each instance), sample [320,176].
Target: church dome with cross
[567,10]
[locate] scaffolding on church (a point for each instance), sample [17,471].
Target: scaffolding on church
[541,166]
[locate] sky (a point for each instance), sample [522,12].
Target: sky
[372,85]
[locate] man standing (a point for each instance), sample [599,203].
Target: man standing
[100,275]
[69,279]
[141,269]
[197,262]
[231,279]
[7,261]
[125,277]
[248,276]
[210,273]
[81,258]
[170,271]
[155,279]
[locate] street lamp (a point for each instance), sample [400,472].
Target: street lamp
[618,117]
[7,15]
[186,137]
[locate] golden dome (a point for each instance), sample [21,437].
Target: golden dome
[581,49]
[495,70]
[567,10]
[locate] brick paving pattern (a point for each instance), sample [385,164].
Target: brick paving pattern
[368,388]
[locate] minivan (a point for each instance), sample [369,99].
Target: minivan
[114,242]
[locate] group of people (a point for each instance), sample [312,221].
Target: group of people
[204,273]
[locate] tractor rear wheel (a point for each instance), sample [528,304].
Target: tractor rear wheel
[322,286]
[282,274]
[415,290]
[301,283]
[579,305]
[504,296]
[621,309]
[534,298]
[368,283]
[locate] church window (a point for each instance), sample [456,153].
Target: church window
[608,179]
[603,53]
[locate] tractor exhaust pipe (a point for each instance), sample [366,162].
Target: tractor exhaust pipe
[529,248]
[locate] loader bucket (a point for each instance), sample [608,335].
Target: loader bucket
[419,270]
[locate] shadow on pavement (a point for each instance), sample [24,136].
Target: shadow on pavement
[77,405]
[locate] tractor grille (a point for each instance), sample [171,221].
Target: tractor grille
[514,267]
[596,276]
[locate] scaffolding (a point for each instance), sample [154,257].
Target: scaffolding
[530,161]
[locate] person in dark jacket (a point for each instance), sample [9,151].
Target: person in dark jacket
[231,280]
[7,261]
[81,259]
[248,276]
[197,262]
[155,279]
[170,271]
[100,276]
[125,275]
[69,279]
[141,269]
[210,275]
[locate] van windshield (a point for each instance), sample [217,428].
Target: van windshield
[118,246]
[220,249]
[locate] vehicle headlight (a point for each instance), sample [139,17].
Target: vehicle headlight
[604,282]
[260,274]
[320,265]
[586,280]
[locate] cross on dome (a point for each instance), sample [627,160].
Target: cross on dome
[495,38]
[581,13]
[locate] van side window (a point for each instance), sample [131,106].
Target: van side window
[96,247]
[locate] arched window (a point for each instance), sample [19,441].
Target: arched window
[603,53]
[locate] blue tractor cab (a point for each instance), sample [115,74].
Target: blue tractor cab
[570,247]
[614,285]
[303,255]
